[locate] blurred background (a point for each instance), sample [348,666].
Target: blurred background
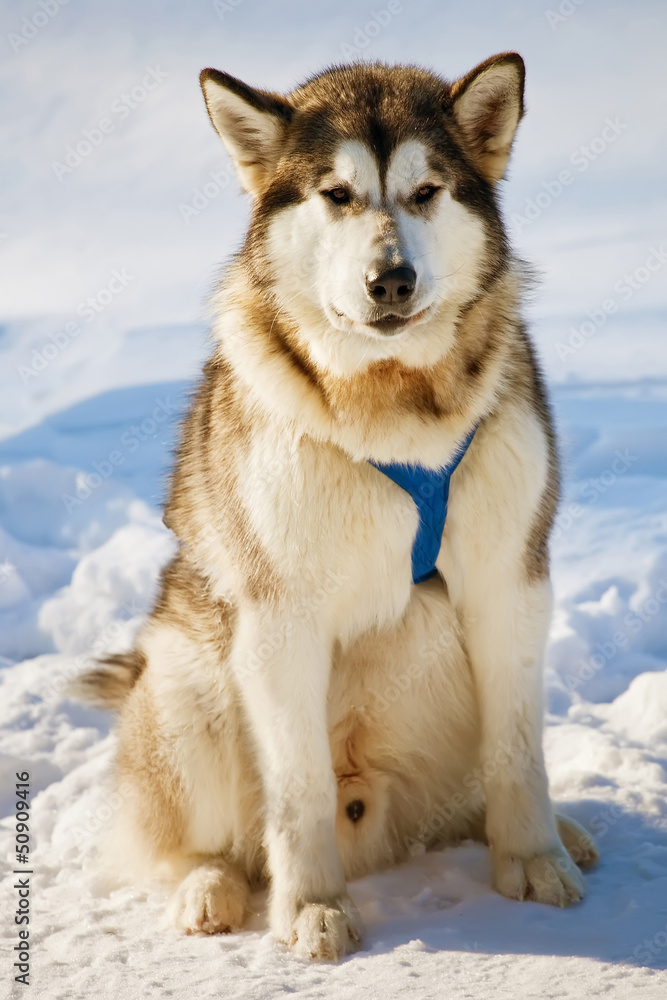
[142,198]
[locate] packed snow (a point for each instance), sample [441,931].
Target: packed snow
[103,333]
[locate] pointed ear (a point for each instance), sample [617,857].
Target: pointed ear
[251,123]
[488,105]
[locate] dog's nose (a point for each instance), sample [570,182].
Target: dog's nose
[396,285]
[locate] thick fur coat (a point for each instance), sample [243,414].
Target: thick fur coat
[296,709]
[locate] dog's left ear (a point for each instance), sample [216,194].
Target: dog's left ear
[251,123]
[488,106]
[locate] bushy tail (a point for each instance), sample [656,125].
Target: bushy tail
[108,685]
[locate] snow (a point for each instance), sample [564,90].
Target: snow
[89,409]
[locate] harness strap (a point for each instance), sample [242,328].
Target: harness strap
[429,489]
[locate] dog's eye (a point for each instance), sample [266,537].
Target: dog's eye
[425,193]
[339,196]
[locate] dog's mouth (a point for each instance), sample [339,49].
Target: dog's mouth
[387,325]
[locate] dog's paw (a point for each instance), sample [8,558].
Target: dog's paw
[326,930]
[577,842]
[211,899]
[551,877]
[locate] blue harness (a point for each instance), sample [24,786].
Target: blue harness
[430,491]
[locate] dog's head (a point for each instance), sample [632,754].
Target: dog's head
[374,207]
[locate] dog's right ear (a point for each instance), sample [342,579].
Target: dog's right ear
[251,123]
[488,105]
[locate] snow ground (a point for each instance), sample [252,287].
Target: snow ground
[86,443]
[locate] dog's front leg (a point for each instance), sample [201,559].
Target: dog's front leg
[282,667]
[506,621]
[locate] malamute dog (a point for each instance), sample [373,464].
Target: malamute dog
[329,679]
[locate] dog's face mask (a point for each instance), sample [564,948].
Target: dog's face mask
[374,211]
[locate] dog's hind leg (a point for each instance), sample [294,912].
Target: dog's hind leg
[211,898]
[577,842]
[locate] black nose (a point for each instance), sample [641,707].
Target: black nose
[355,810]
[396,285]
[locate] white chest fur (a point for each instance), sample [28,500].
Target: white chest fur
[327,521]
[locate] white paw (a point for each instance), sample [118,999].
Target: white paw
[551,877]
[326,930]
[212,899]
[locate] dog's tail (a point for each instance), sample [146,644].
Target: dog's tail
[108,685]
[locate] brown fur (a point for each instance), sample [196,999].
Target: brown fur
[145,774]
[263,388]
[210,458]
